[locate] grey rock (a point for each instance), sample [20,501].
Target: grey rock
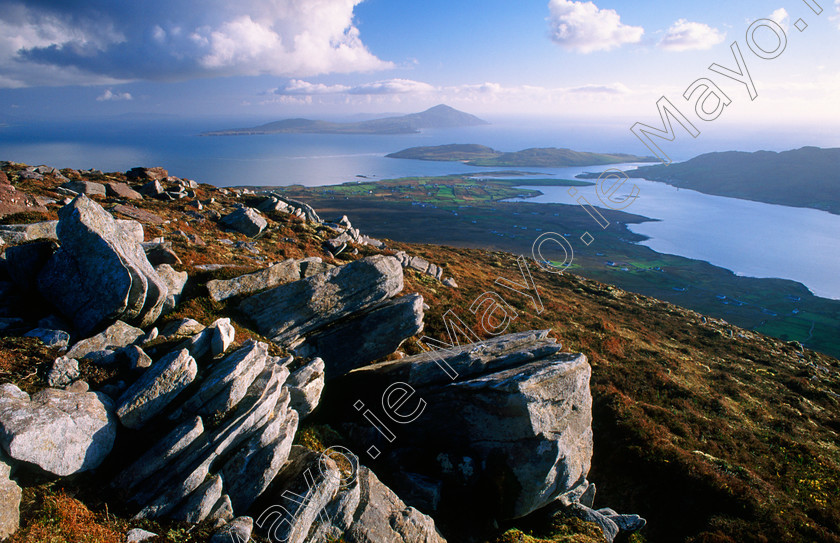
[222,512]
[77,387]
[366,337]
[200,503]
[288,311]
[450,282]
[208,342]
[156,388]
[132,229]
[63,372]
[305,386]
[85,187]
[307,474]
[513,409]
[175,282]
[138,535]
[161,253]
[229,379]
[25,262]
[246,221]
[181,328]
[256,463]
[116,336]
[278,274]
[161,454]
[59,431]
[380,515]
[152,188]
[156,173]
[10,494]
[313,265]
[136,357]
[160,495]
[35,176]
[105,357]
[607,526]
[122,190]
[56,339]
[100,274]
[236,531]
[19,233]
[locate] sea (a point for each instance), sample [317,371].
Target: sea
[750,238]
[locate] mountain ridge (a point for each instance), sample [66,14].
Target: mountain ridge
[439,116]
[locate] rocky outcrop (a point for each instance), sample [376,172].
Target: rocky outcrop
[276,202]
[366,336]
[511,432]
[100,274]
[61,432]
[354,507]
[289,311]
[425,267]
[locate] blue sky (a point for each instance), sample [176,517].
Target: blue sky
[327,58]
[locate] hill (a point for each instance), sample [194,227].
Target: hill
[711,432]
[806,177]
[440,116]
[547,157]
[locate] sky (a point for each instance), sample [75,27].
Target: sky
[606,60]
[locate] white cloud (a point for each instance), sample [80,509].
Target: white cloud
[583,27]
[781,17]
[394,91]
[392,86]
[690,36]
[109,96]
[388,86]
[55,43]
[836,17]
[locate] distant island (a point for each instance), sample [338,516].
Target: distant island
[440,116]
[546,157]
[805,177]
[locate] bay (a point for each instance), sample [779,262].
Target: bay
[751,239]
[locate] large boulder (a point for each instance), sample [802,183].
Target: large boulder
[366,337]
[61,432]
[289,311]
[100,274]
[509,421]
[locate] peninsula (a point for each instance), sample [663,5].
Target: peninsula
[545,157]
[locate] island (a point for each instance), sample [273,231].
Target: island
[544,157]
[805,177]
[440,116]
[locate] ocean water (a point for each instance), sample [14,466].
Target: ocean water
[312,159]
[751,239]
